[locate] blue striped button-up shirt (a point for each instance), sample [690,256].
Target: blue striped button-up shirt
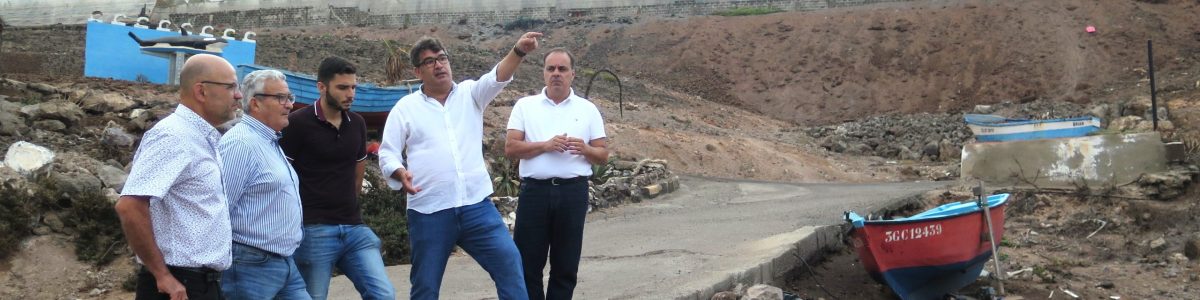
[264,194]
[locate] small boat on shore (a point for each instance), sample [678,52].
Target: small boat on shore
[992,128]
[371,101]
[932,253]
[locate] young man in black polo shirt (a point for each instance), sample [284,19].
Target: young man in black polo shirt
[326,144]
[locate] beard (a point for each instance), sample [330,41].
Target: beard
[335,103]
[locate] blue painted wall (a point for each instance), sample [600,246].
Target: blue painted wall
[110,53]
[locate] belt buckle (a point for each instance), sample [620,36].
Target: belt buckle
[554,181]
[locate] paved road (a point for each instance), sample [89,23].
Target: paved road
[687,241]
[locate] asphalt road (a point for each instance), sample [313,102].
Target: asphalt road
[687,241]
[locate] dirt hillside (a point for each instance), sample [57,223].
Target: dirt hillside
[925,56]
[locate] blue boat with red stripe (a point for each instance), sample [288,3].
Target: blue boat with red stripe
[930,254]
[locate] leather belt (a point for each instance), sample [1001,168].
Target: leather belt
[555,180]
[209,275]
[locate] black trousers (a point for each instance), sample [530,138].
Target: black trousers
[201,284]
[550,217]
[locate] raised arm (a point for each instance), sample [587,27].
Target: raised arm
[508,65]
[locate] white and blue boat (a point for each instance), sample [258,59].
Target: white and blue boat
[372,102]
[992,128]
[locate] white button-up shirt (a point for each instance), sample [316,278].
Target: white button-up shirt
[444,145]
[178,166]
[541,120]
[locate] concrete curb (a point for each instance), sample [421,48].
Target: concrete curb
[807,242]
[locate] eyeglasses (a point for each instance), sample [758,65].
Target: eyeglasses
[228,86]
[284,99]
[444,59]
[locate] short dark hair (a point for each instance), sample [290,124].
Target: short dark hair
[563,50]
[425,43]
[332,66]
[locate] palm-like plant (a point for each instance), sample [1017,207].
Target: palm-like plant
[505,179]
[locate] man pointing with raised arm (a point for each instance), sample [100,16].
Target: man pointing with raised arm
[440,129]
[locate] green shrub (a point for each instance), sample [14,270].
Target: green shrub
[88,217]
[384,211]
[588,73]
[15,219]
[96,226]
[600,173]
[747,11]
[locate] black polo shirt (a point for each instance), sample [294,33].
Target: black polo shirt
[325,158]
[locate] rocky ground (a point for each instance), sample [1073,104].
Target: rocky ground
[861,94]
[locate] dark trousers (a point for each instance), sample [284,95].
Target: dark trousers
[550,217]
[201,284]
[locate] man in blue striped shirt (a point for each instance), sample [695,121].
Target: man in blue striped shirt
[264,197]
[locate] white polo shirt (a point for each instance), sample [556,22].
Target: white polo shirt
[541,120]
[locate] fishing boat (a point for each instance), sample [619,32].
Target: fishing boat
[371,101]
[930,254]
[992,128]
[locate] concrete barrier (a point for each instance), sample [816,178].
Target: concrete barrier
[1100,160]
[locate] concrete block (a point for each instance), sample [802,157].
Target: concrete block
[1100,160]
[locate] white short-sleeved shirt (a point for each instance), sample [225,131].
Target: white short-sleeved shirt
[444,145]
[178,166]
[541,119]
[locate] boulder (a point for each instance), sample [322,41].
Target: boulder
[107,102]
[67,112]
[726,295]
[1191,248]
[28,159]
[53,221]
[43,88]
[1100,111]
[948,151]
[8,176]
[1125,123]
[116,136]
[1148,126]
[763,292]
[10,107]
[931,149]
[114,177]
[1138,106]
[11,124]
[1158,244]
[75,182]
[50,125]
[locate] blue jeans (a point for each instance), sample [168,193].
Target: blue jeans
[258,274]
[550,221]
[354,249]
[477,228]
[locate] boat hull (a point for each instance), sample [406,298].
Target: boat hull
[932,253]
[1020,130]
[371,101]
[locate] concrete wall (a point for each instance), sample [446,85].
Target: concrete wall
[277,13]
[1101,160]
[46,12]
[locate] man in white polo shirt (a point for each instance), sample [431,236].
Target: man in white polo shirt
[558,137]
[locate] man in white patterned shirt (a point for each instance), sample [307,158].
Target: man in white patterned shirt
[440,128]
[264,195]
[173,207]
